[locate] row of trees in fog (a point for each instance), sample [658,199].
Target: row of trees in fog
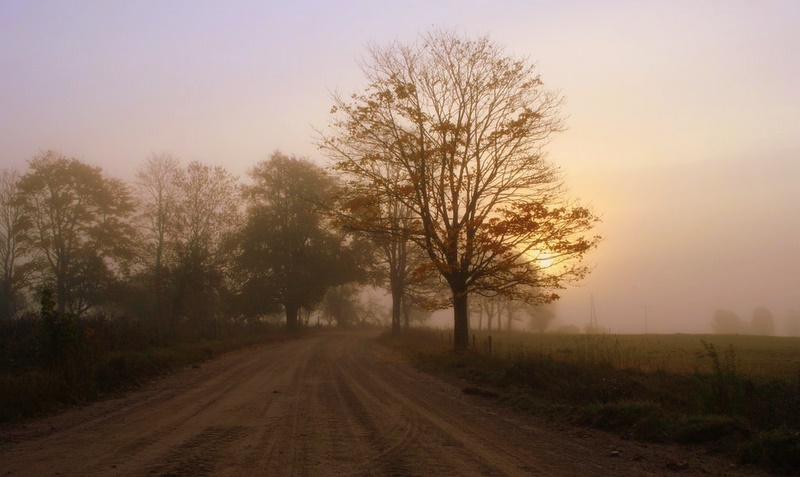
[181,242]
[761,322]
[191,243]
[439,189]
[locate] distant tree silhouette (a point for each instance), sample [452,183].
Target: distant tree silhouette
[341,305]
[793,323]
[762,322]
[288,255]
[726,322]
[511,308]
[207,215]
[568,330]
[158,193]
[541,316]
[486,307]
[413,313]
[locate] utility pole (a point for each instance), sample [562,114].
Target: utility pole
[645,319]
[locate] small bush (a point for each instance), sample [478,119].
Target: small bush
[709,428]
[642,420]
[29,394]
[725,393]
[778,449]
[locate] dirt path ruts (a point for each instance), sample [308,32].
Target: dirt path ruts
[330,404]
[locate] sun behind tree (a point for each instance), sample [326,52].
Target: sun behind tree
[453,128]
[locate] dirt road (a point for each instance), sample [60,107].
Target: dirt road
[330,404]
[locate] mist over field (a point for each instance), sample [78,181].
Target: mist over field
[682,125]
[444,237]
[691,238]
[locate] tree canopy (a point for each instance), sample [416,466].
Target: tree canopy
[454,128]
[287,256]
[78,227]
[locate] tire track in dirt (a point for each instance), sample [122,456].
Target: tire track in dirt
[200,454]
[203,416]
[143,432]
[451,435]
[385,427]
[456,449]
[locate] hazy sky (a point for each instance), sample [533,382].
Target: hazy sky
[683,116]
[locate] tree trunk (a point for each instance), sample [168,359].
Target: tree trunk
[61,297]
[291,317]
[406,314]
[460,322]
[5,302]
[397,298]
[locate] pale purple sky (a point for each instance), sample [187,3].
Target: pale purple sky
[683,116]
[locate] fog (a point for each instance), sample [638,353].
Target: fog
[684,119]
[685,240]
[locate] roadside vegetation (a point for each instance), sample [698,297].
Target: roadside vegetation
[737,395]
[49,361]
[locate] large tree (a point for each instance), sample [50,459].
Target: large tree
[288,256]
[158,193]
[78,228]
[465,124]
[206,215]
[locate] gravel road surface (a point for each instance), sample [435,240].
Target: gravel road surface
[329,404]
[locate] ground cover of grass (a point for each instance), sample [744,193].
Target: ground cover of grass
[738,395]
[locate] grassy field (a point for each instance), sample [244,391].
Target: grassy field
[738,395]
[757,357]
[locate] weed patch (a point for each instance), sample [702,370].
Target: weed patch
[777,448]
[641,420]
[710,428]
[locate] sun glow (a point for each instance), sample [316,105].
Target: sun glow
[544,260]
